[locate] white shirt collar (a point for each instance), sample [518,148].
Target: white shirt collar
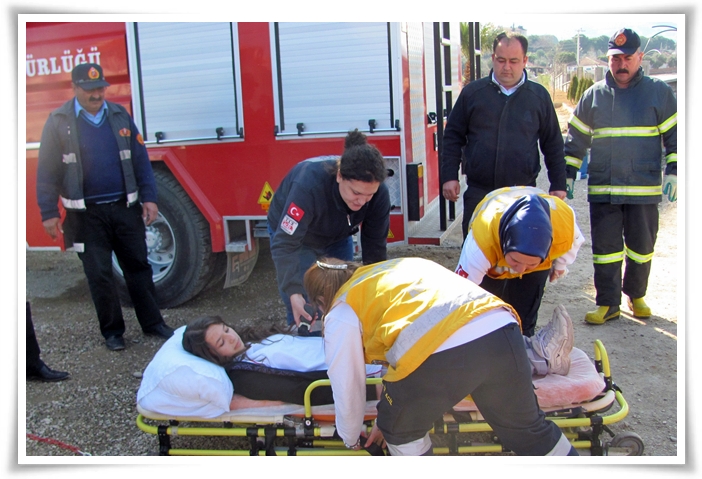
[509,91]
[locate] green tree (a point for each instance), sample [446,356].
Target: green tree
[573,89]
[565,57]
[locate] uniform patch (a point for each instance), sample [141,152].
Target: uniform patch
[69,158]
[461,272]
[125,132]
[140,139]
[620,40]
[288,225]
[296,212]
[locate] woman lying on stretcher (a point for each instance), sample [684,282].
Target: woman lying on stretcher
[266,366]
[271,367]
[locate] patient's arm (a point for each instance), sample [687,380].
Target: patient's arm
[241,402]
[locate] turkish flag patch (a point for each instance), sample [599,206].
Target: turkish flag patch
[461,272]
[295,212]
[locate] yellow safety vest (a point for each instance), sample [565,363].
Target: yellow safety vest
[408,307]
[485,225]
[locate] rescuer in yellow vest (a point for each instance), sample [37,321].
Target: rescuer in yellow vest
[442,338]
[518,238]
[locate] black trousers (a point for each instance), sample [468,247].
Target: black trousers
[471,197]
[618,232]
[523,294]
[104,228]
[34,362]
[495,371]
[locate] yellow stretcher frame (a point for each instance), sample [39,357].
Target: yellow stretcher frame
[582,424]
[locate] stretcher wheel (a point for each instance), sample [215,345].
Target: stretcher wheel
[629,443]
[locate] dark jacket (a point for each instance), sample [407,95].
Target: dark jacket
[60,171]
[496,138]
[625,127]
[307,209]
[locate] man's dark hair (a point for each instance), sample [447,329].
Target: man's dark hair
[511,36]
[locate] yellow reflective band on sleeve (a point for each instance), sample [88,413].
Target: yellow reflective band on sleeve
[635,131]
[673,157]
[573,161]
[608,258]
[580,126]
[639,258]
[624,190]
[669,123]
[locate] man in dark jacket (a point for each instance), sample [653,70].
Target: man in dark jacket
[496,128]
[93,158]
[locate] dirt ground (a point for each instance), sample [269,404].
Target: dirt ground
[95,410]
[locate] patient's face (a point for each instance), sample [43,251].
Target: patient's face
[224,340]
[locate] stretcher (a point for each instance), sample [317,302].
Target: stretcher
[309,430]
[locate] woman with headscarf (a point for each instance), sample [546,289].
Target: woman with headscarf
[518,238]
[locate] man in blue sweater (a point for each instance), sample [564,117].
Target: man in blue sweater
[93,159]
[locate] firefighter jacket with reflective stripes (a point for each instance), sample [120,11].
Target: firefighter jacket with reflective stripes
[485,226]
[60,169]
[408,307]
[626,129]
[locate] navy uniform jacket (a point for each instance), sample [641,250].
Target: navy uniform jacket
[307,209]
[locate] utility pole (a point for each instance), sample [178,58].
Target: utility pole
[577,49]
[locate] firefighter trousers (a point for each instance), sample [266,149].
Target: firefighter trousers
[622,232]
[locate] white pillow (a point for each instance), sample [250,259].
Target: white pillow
[181,384]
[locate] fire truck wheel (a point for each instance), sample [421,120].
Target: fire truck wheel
[179,247]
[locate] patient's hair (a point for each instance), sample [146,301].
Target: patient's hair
[194,338]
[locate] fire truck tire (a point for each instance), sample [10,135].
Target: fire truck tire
[179,247]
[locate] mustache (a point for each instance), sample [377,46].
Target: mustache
[622,70]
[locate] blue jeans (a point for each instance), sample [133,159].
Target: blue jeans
[342,250]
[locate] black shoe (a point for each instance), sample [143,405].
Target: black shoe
[115,343]
[163,331]
[47,375]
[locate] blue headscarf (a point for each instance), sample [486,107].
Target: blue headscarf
[525,227]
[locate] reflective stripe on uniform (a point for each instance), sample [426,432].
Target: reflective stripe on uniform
[671,158]
[623,190]
[635,131]
[576,123]
[639,258]
[669,123]
[573,161]
[73,204]
[409,336]
[608,258]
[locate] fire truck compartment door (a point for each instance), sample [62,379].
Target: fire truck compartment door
[186,80]
[334,77]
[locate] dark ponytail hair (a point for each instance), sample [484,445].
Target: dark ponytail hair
[361,161]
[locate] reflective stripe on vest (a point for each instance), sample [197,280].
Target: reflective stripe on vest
[409,336]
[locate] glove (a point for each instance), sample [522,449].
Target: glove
[570,186]
[670,187]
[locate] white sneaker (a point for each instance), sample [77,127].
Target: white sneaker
[554,342]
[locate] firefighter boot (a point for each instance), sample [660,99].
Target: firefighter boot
[639,308]
[602,314]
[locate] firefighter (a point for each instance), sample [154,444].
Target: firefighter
[441,338]
[626,120]
[93,158]
[318,207]
[519,238]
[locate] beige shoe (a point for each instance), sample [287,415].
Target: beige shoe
[602,314]
[554,342]
[639,308]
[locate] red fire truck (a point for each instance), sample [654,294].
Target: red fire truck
[226,109]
